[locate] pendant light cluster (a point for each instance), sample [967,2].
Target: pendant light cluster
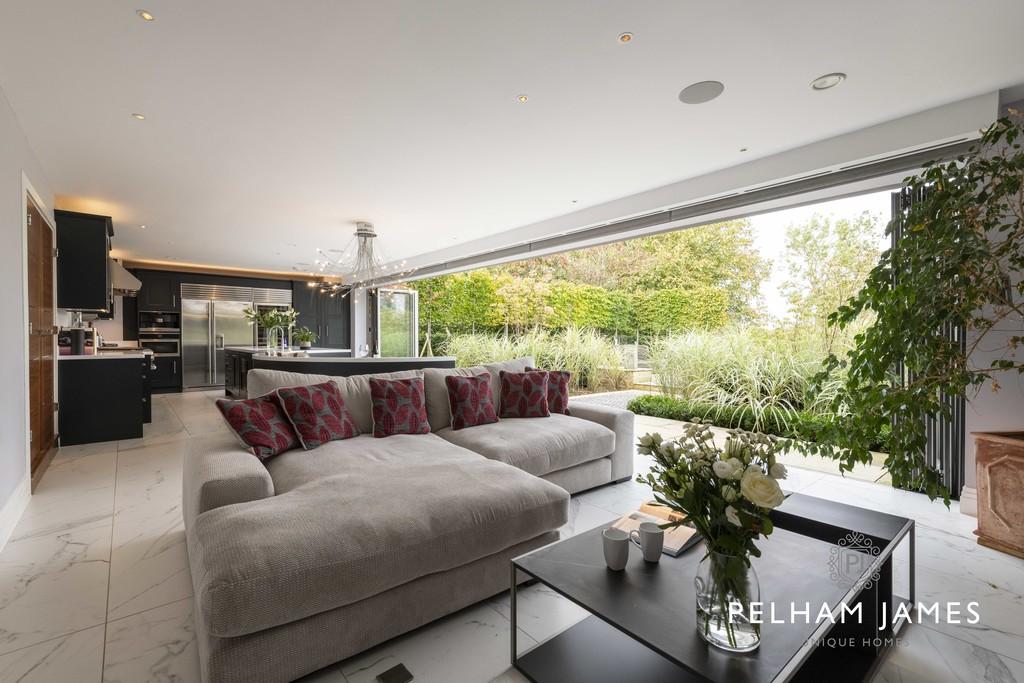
[359,264]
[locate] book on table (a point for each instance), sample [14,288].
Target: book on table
[677,539]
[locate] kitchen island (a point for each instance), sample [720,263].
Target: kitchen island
[239,360]
[103,397]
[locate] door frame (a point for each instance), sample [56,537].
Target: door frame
[28,190]
[414,331]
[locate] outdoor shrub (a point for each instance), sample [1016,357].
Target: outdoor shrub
[593,360]
[797,425]
[764,373]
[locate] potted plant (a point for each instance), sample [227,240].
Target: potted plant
[726,495]
[304,337]
[957,264]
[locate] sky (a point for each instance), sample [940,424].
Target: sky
[770,236]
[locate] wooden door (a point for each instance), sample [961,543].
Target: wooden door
[41,335]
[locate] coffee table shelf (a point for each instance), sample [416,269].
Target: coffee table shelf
[643,623]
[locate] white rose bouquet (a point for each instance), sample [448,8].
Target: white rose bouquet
[726,495]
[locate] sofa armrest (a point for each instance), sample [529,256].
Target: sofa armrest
[219,472]
[619,421]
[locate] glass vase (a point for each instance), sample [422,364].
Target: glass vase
[726,586]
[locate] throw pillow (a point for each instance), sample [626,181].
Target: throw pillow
[524,394]
[317,413]
[398,407]
[558,389]
[470,400]
[260,425]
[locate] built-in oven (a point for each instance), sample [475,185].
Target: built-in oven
[163,344]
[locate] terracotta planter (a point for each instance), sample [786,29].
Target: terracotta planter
[1000,468]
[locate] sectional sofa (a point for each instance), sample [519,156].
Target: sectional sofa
[318,555]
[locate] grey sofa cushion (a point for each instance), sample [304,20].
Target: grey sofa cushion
[439,412]
[435,389]
[384,520]
[517,365]
[537,445]
[364,455]
[355,390]
[582,477]
[217,471]
[260,382]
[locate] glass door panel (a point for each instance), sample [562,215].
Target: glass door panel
[397,323]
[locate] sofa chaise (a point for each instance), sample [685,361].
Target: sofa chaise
[316,555]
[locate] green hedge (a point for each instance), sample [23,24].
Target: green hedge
[480,301]
[797,425]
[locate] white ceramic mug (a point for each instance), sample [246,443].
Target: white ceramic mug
[616,548]
[650,538]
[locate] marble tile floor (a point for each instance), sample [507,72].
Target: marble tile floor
[94,584]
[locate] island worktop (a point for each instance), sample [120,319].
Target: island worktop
[239,360]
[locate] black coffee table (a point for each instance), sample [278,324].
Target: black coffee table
[642,626]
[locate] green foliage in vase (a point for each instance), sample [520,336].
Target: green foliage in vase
[272,317]
[958,262]
[303,335]
[725,493]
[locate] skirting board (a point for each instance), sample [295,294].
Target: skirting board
[969,501]
[13,509]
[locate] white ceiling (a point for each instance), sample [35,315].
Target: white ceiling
[271,126]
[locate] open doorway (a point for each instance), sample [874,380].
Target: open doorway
[39,270]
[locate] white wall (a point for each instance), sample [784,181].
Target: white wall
[990,410]
[16,159]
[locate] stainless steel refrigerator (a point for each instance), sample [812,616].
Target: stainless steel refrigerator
[208,324]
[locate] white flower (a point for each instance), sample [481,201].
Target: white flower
[737,468]
[729,493]
[730,514]
[777,471]
[760,489]
[723,468]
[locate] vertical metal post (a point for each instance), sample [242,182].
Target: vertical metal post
[512,609]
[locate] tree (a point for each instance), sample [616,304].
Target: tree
[720,256]
[827,262]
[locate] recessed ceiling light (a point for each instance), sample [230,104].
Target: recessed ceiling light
[144,15]
[701,92]
[625,37]
[522,98]
[142,227]
[828,81]
[139,117]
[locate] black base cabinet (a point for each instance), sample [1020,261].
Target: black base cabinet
[167,375]
[100,399]
[236,369]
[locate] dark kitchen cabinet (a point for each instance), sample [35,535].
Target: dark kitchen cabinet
[328,316]
[147,389]
[334,313]
[159,292]
[306,301]
[83,261]
[167,375]
[236,371]
[101,399]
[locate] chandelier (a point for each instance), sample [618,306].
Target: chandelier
[359,264]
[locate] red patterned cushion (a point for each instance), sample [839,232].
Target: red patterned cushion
[558,389]
[260,424]
[470,400]
[317,413]
[524,394]
[398,407]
